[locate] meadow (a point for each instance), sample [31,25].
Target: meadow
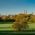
[8,26]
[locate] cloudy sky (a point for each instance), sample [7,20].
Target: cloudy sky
[16,6]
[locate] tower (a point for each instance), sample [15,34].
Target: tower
[32,13]
[26,11]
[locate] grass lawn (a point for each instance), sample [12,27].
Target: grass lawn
[7,26]
[32,26]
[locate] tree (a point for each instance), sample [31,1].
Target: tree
[22,23]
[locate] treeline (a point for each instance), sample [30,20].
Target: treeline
[15,17]
[6,20]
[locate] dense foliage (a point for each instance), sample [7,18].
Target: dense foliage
[21,22]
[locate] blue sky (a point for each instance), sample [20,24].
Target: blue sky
[16,6]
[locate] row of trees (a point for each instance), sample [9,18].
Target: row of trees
[6,19]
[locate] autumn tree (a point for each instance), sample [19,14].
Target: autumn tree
[21,22]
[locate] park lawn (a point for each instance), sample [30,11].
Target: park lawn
[32,26]
[7,26]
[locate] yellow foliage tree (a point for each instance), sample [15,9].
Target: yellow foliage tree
[21,22]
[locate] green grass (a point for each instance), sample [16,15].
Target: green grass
[32,26]
[7,26]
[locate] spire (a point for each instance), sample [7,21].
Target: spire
[32,13]
[26,11]
[0,14]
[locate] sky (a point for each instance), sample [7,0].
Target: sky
[16,6]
